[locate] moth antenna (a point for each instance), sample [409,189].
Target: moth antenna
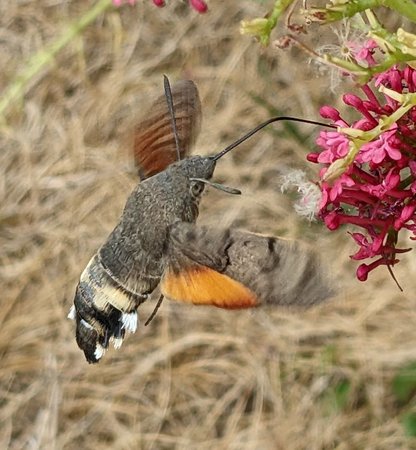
[220,187]
[169,101]
[152,316]
[264,124]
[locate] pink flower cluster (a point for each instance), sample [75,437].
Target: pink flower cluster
[377,190]
[198,5]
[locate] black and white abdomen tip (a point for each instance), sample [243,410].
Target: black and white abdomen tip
[103,312]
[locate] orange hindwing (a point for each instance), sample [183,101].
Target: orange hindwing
[203,286]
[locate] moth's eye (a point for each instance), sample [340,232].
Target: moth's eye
[196,188]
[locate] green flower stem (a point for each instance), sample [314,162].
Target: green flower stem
[364,74]
[341,11]
[262,27]
[348,66]
[399,45]
[397,48]
[388,62]
[46,55]
[279,8]
[406,8]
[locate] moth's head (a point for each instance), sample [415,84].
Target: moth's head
[198,170]
[198,167]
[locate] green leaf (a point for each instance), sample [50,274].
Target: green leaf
[409,423]
[341,394]
[404,383]
[336,397]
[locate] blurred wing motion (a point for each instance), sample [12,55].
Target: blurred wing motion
[154,139]
[236,269]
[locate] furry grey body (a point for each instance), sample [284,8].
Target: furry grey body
[129,265]
[134,251]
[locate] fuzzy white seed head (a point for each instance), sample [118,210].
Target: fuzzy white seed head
[348,33]
[309,193]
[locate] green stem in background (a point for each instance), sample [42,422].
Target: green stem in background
[45,56]
[261,28]
[363,74]
[340,11]
[399,47]
[407,8]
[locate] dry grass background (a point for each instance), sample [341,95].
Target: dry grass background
[196,378]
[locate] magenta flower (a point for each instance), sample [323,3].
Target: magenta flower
[386,146]
[335,146]
[406,215]
[344,181]
[375,189]
[364,53]
[368,248]
[387,186]
[199,5]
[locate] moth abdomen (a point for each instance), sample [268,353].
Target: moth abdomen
[111,291]
[103,310]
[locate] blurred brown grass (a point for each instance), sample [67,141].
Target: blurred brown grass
[196,378]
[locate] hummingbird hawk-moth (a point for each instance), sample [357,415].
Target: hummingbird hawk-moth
[157,241]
